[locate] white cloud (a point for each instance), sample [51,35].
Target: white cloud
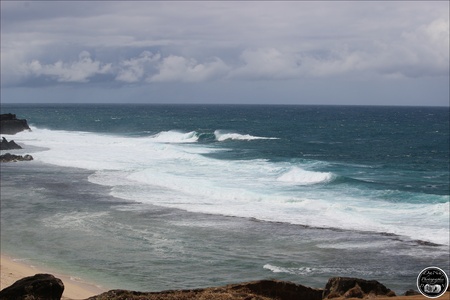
[425,51]
[335,63]
[134,69]
[203,41]
[178,68]
[77,71]
[420,52]
[268,63]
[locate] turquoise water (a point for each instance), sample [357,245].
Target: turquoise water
[155,197]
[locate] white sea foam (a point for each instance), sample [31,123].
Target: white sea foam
[276,269]
[223,136]
[79,221]
[175,137]
[308,271]
[294,271]
[164,170]
[303,177]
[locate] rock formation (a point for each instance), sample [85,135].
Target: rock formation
[37,287]
[411,293]
[5,145]
[354,288]
[255,290]
[8,157]
[9,124]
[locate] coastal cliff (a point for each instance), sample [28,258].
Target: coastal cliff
[9,124]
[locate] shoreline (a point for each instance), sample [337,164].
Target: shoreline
[13,269]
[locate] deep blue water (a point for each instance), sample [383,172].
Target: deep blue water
[173,196]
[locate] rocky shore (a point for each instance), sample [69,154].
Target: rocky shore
[8,157]
[9,124]
[21,281]
[47,286]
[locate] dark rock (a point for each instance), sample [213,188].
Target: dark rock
[8,157]
[5,145]
[354,292]
[426,243]
[9,124]
[354,287]
[256,290]
[411,293]
[281,290]
[37,287]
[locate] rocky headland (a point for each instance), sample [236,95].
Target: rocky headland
[9,124]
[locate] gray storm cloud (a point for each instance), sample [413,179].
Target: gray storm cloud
[421,52]
[148,43]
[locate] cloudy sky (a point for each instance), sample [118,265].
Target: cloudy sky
[293,52]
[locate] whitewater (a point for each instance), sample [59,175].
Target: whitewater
[177,173]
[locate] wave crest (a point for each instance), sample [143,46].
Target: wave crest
[303,177]
[223,136]
[173,136]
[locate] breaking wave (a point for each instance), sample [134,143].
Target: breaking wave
[184,176]
[175,137]
[303,177]
[223,136]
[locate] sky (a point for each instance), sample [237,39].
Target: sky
[249,52]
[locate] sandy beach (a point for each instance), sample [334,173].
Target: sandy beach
[13,269]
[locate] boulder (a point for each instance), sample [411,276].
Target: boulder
[354,292]
[8,157]
[354,288]
[9,124]
[411,292]
[5,145]
[37,287]
[277,289]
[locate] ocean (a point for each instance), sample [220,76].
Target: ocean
[157,197]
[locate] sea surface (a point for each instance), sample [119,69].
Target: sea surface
[156,197]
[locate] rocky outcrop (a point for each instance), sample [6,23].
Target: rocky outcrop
[46,286]
[255,290]
[9,124]
[411,293]
[8,157]
[37,287]
[354,288]
[275,289]
[5,145]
